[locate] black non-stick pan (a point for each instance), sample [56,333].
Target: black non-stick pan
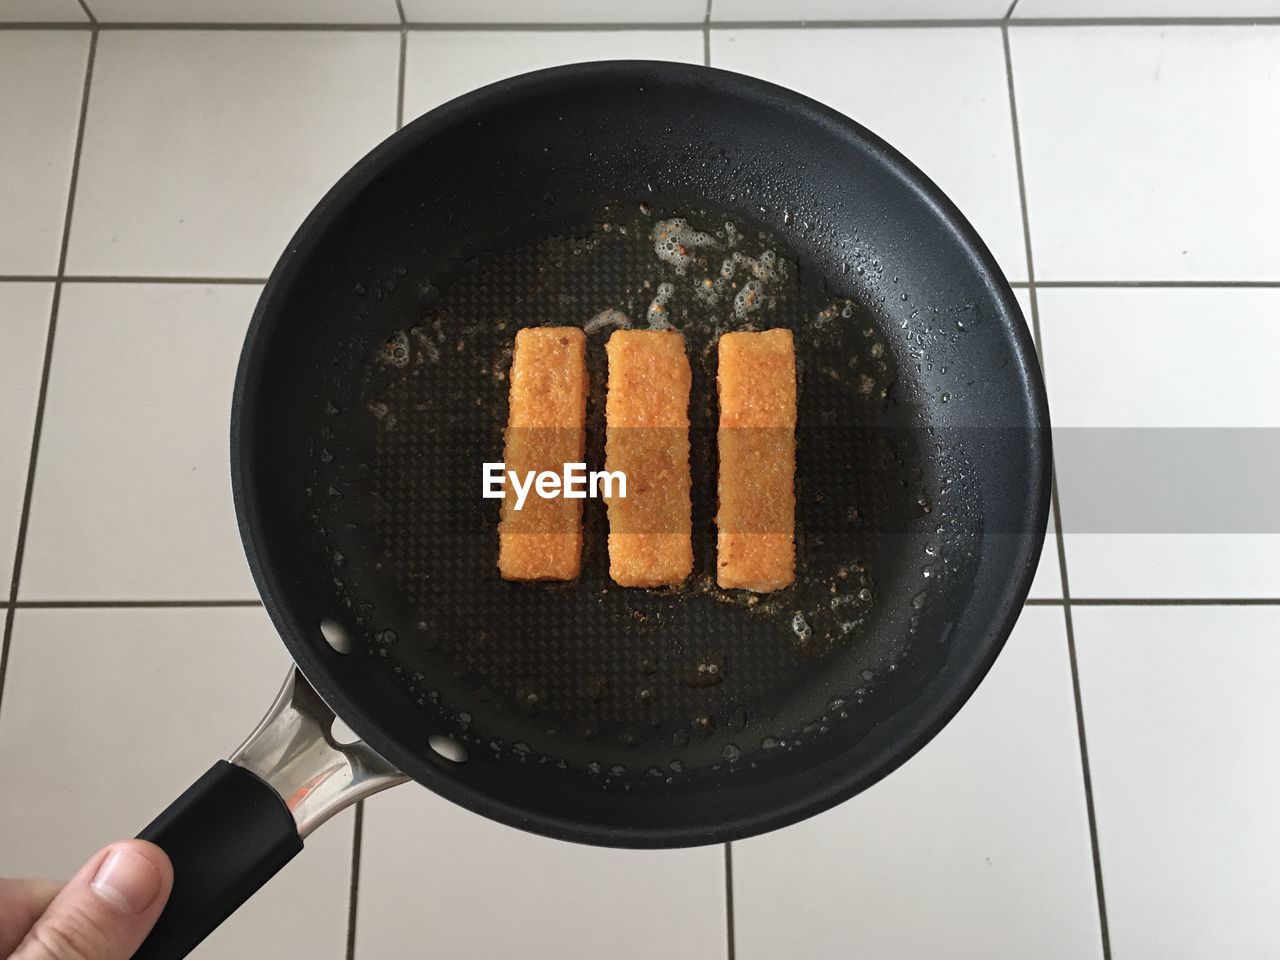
[372,388]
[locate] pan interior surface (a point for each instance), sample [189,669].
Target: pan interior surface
[373,389]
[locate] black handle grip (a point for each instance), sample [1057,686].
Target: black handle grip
[227,835]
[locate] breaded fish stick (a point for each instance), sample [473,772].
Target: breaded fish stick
[647,439]
[756,380]
[546,428]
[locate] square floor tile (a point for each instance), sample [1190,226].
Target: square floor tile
[976,849]
[110,714]
[1183,726]
[1146,153]
[1148,390]
[554,11]
[480,890]
[441,65]
[132,497]
[42,11]
[246,11]
[41,89]
[1154,357]
[24,327]
[722,10]
[946,106]
[1146,8]
[1146,565]
[204,151]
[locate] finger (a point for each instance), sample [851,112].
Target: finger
[107,908]
[21,903]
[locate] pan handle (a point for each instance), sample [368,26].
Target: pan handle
[240,823]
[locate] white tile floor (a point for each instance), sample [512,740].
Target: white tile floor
[42,11]
[1091,337]
[38,130]
[1147,157]
[1185,800]
[554,11]
[143,374]
[1109,107]
[271,118]
[246,11]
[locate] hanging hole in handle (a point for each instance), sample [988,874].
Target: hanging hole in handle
[447,747]
[336,635]
[342,734]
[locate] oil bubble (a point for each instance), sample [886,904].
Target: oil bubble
[749,299]
[800,627]
[675,242]
[657,313]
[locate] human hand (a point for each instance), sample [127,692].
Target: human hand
[104,912]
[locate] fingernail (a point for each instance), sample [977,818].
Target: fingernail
[127,879]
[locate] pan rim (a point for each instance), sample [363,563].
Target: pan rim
[926,722]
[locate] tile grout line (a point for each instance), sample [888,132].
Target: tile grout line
[150,25]
[1090,807]
[921,24]
[404,48]
[88,278]
[1009,13]
[87,12]
[1056,506]
[353,901]
[706,36]
[24,517]
[731,947]
[1175,601]
[387,27]
[572,27]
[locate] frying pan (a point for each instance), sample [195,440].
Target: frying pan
[372,387]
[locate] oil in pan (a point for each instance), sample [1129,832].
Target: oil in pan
[627,686]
